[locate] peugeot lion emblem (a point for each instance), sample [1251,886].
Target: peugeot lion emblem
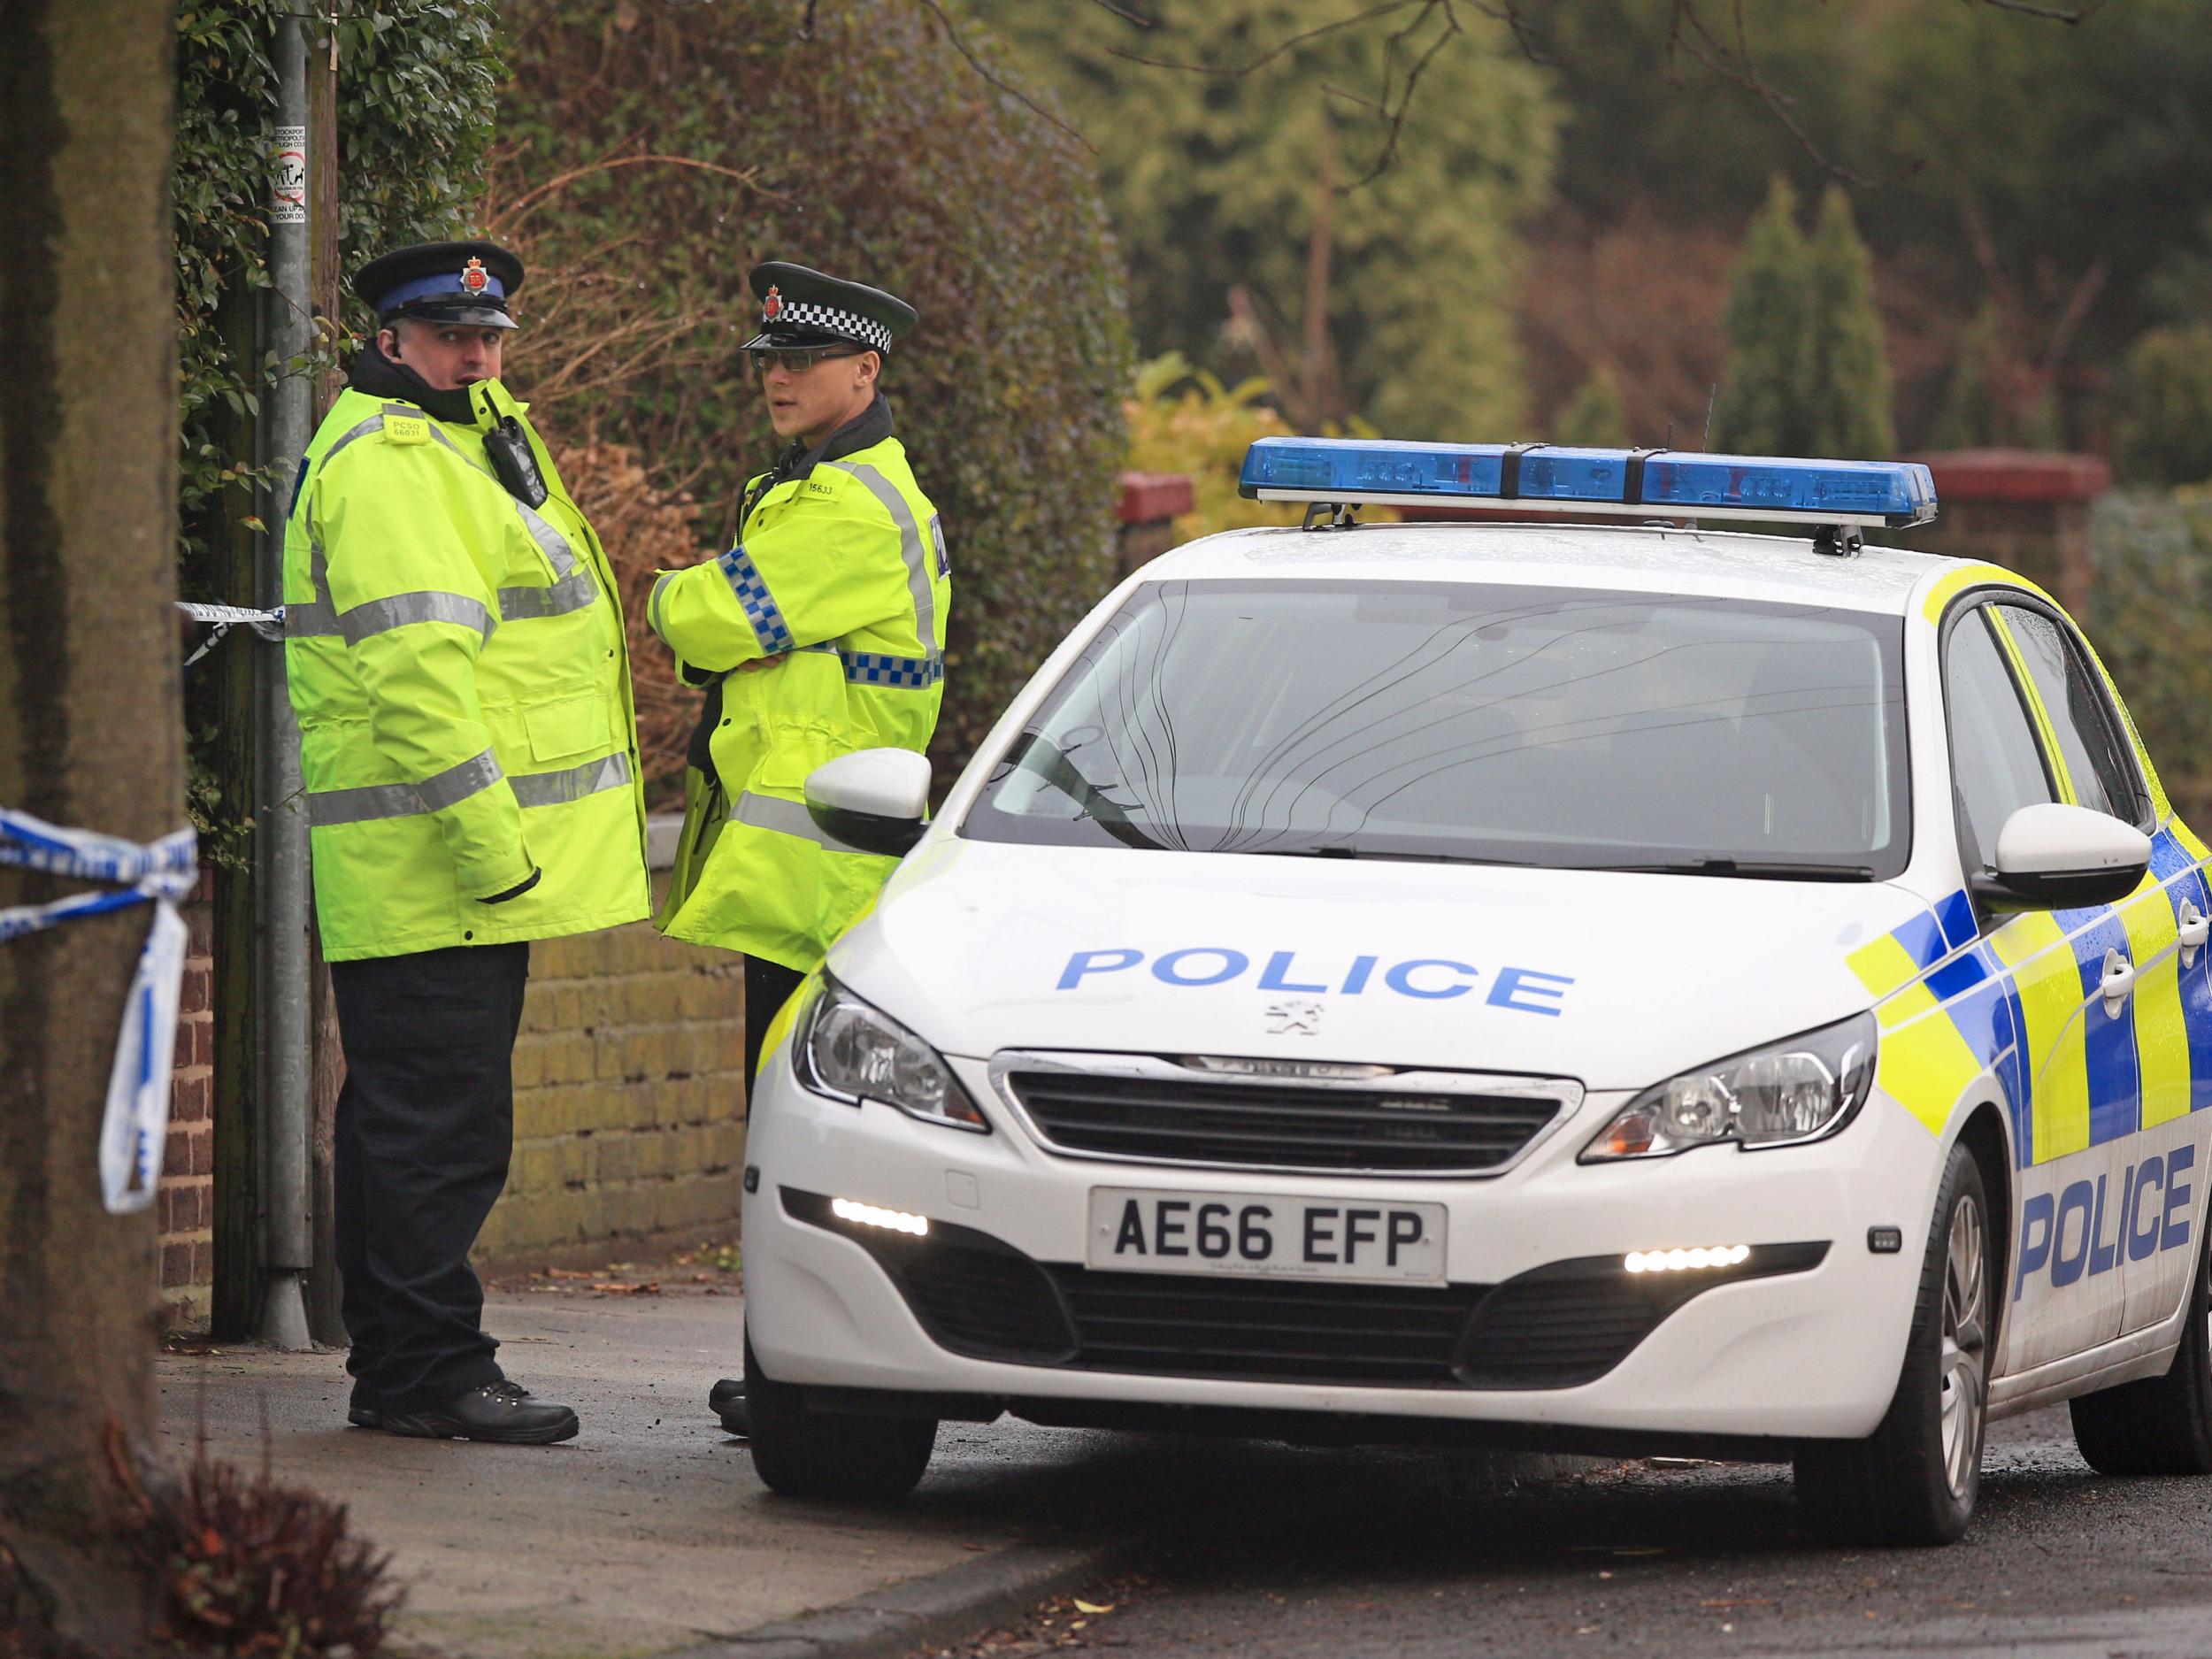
[1303,1018]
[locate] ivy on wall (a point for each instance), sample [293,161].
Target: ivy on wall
[416,90]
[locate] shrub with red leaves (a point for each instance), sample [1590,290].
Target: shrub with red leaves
[250,1567]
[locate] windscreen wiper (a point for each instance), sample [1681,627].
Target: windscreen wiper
[1765,869]
[1344,849]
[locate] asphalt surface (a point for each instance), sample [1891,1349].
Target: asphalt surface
[650,1534]
[1267,1552]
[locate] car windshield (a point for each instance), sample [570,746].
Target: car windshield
[1560,727]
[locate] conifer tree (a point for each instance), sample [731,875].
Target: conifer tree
[1848,413]
[1767,391]
[1593,416]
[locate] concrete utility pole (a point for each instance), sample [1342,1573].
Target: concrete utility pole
[280,814]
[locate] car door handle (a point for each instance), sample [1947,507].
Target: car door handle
[2119,979]
[2195,928]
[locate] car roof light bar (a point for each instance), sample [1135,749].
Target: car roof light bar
[1627,483]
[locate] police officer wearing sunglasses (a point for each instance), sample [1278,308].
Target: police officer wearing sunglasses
[821,630]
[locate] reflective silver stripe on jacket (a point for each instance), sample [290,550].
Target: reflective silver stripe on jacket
[311,619]
[573,592]
[450,787]
[653,605]
[913,547]
[786,818]
[558,788]
[380,616]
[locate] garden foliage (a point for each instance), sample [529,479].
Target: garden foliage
[415,95]
[2165,430]
[1252,240]
[652,155]
[2152,555]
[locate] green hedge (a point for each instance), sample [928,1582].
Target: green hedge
[2152,555]
[880,155]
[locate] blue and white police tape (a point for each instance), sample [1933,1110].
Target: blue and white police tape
[268,624]
[136,1123]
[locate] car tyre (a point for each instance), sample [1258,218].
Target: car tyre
[803,1454]
[1914,1480]
[2158,1426]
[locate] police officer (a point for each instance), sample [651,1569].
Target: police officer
[455,652]
[819,632]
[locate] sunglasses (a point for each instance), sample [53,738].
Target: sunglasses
[800,362]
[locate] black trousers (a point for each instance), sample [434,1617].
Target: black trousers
[768,985]
[424,1129]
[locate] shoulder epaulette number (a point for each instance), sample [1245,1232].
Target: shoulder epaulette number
[404,426]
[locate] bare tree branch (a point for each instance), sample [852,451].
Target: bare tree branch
[2054,14]
[976,64]
[521,208]
[1278,49]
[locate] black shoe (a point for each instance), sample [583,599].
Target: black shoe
[726,1401]
[501,1411]
[366,1416]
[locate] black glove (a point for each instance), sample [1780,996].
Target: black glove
[515,892]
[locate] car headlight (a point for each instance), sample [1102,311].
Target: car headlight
[1796,1090]
[856,1052]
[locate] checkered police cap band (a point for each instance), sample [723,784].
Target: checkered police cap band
[832,319]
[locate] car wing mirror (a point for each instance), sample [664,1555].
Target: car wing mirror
[2054,856]
[873,800]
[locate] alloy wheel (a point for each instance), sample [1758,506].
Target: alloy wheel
[1965,1360]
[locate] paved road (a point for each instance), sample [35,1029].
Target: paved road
[1270,1553]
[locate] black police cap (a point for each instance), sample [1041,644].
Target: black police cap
[443,281]
[801,308]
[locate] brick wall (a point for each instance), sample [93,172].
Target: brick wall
[629,1101]
[184,1206]
[629,1107]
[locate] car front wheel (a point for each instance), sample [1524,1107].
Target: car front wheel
[806,1454]
[1915,1478]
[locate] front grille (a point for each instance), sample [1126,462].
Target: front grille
[1273,1330]
[1569,1323]
[1556,1326]
[1169,1116]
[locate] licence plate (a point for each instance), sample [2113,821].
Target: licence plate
[1138,1230]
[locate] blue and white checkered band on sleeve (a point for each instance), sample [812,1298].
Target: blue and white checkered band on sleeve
[832,319]
[871,668]
[761,608]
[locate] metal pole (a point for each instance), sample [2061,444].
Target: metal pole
[280,817]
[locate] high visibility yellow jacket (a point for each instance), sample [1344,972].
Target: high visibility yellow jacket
[456,663]
[827,622]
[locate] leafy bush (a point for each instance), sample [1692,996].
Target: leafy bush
[2152,554]
[2165,431]
[1593,416]
[415,89]
[1184,420]
[664,151]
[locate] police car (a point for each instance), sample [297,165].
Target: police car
[1599,987]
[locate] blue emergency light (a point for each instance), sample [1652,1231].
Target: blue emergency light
[1540,477]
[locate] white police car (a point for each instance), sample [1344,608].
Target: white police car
[1587,988]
